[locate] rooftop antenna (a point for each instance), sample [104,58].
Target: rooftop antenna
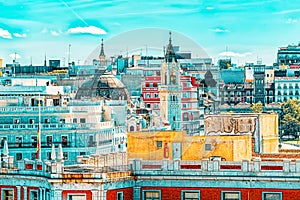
[45,60]
[15,57]
[30,60]
[69,55]
[226,52]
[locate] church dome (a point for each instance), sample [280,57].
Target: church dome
[103,85]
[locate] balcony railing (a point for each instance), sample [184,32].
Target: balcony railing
[34,144]
[54,126]
[26,109]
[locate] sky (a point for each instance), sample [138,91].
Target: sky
[244,30]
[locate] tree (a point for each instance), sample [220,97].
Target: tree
[290,117]
[257,108]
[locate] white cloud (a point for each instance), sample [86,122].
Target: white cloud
[88,29]
[44,30]
[55,33]
[209,8]
[220,30]
[20,35]
[234,54]
[291,21]
[287,11]
[5,34]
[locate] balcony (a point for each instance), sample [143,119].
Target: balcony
[35,109]
[34,144]
[59,126]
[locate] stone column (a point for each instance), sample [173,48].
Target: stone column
[286,165]
[204,164]
[18,192]
[176,165]
[136,193]
[57,194]
[256,162]
[245,165]
[297,165]
[42,193]
[25,192]
[95,194]
[216,165]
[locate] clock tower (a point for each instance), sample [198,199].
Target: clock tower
[102,55]
[170,90]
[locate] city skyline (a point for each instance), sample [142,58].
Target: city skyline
[245,31]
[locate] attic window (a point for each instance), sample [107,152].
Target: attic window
[159,144]
[207,147]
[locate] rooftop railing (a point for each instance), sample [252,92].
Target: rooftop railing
[35,109]
[54,126]
[180,167]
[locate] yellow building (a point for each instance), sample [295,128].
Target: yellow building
[158,145]
[269,75]
[1,61]
[228,136]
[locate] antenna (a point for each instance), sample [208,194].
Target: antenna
[69,55]
[45,61]
[226,52]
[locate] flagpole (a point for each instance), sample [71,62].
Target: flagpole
[38,150]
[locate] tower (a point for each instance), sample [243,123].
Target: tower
[102,55]
[170,89]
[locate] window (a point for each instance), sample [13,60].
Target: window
[33,156]
[148,96]
[151,195]
[82,153]
[156,95]
[82,120]
[47,121]
[159,144]
[62,121]
[271,195]
[55,102]
[34,195]
[31,121]
[76,197]
[185,117]
[33,141]
[19,156]
[49,140]
[8,194]
[231,195]
[120,196]
[207,147]
[64,141]
[18,141]
[16,121]
[65,155]
[190,195]
[75,120]
[49,155]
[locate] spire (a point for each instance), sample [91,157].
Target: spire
[60,152]
[170,54]
[5,148]
[102,49]
[45,61]
[53,153]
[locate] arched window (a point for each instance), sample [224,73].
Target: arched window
[131,128]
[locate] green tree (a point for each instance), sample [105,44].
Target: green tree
[257,108]
[290,117]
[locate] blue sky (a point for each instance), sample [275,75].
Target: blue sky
[248,29]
